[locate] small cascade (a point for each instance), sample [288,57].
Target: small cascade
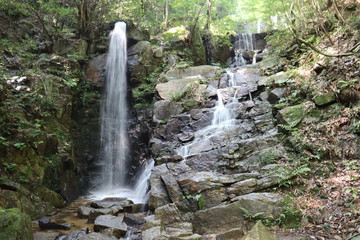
[245,43]
[254,57]
[222,115]
[223,120]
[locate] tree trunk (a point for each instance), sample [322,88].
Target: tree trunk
[166,14]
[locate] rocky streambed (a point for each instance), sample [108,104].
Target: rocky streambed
[217,154]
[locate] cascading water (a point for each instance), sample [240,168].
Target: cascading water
[223,120]
[114,153]
[114,139]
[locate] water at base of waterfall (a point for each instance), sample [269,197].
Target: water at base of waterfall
[137,194]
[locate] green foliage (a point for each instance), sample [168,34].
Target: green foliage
[198,198]
[20,145]
[252,217]
[10,167]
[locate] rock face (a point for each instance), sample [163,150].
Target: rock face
[207,170]
[186,81]
[15,225]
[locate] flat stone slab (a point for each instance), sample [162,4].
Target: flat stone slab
[108,221]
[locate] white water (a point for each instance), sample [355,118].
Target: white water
[246,42]
[223,120]
[114,153]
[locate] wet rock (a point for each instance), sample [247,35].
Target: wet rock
[97,236]
[227,216]
[15,225]
[95,70]
[107,221]
[324,99]
[202,117]
[248,55]
[164,109]
[259,232]
[94,213]
[45,223]
[110,202]
[135,208]
[161,148]
[185,136]
[134,219]
[158,194]
[84,212]
[45,236]
[291,116]
[275,95]
[167,159]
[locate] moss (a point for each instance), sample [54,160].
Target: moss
[324,99]
[14,225]
[292,116]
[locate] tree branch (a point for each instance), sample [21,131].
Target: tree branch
[321,52]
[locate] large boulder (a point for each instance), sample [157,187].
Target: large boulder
[15,225]
[165,109]
[205,71]
[227,216]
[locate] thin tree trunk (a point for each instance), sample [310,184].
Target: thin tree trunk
[166,14]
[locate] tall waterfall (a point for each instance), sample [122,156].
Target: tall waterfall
[114,139]
[114,153]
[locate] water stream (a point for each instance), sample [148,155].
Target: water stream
[224,119]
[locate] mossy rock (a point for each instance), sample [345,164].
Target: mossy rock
[15,225]
[52,197]
[292,116]
[14,195]
[324,99]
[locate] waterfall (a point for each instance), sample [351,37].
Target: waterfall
[114,139]
[114,153]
